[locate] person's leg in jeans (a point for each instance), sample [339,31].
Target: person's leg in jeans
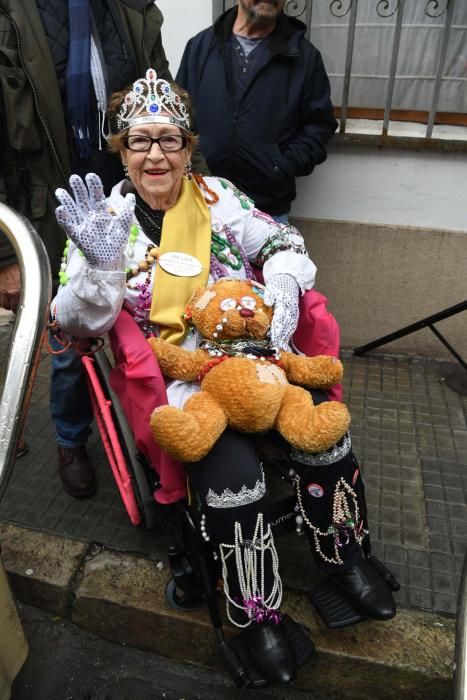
[281,218]
[71,411]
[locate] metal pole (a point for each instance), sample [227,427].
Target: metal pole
[439,72]
[392,72]
[460,654]
[418,325]
[28,331]
[348,66]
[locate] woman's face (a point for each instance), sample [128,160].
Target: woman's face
[156,174]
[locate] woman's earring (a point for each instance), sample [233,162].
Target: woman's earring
[125,169]
[188,169]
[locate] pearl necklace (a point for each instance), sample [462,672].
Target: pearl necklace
[251,580]
[343,521]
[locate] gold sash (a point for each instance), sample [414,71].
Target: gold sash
[186,228]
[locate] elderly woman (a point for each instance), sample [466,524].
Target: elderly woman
[162,233]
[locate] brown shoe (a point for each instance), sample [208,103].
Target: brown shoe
[76,472]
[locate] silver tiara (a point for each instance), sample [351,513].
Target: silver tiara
[151,96]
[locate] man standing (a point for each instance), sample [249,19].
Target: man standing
[261,96]
[59,62]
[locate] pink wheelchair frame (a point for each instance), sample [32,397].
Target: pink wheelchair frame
[124,397]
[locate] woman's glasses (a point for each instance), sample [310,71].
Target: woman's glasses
[167,143]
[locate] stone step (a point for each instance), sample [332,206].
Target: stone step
[120,597]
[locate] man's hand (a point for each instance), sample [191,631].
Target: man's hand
[10,279]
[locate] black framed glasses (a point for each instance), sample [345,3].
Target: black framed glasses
[167,143]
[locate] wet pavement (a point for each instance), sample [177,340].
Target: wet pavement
[409,432]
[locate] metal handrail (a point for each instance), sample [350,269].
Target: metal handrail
[28,331]
[460,654]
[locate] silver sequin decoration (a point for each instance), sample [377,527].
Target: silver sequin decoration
[229,499]
[322,459]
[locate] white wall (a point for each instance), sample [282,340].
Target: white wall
[388,186]
[182,20]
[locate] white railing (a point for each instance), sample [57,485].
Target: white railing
[31,320]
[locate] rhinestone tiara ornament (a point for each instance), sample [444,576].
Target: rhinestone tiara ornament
[149,97]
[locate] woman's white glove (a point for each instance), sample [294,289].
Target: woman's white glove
[100,235]
[282,292]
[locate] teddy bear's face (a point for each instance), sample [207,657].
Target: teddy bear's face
[231,309]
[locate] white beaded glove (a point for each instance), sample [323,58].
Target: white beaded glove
[100,235]
[282,292]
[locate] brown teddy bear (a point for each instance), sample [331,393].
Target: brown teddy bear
[244,381]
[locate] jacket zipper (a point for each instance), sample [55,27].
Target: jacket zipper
[36,102]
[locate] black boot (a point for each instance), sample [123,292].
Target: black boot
[271,651]
[368,592]
[332,503]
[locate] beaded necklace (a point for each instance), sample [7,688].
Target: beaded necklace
[151,224]
[151,220]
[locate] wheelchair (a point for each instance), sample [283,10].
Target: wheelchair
[126,387]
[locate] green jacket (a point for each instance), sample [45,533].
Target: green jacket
[34,156]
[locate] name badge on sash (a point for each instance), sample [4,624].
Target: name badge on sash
[180,264]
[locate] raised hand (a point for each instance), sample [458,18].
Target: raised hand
[100,234]
[282,292]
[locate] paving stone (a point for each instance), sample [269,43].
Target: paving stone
[390,500]
[459,546]
[445,604]
[437,526]
[391,533]
[412,521]
[448,468]
[457,512]
[455,495]
[439,543]
[435,508]
[391,516]
[417,558]
[420,598]
[412,503]
[414,538]
[419,578]
[443,583]
[441,562]
[435,493]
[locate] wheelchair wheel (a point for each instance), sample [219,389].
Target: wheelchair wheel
[181,600]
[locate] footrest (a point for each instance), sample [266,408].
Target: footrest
[333,606]
[302,645]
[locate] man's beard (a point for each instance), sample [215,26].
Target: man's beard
[261,18]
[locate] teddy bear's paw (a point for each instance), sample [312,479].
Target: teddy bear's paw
[327,371]
[308,427]
[187,434]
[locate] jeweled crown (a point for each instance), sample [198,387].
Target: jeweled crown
[147,100]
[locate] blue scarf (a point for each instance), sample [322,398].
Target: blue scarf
[78,72]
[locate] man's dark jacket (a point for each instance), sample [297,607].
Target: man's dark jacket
[284,119]
[34,148]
